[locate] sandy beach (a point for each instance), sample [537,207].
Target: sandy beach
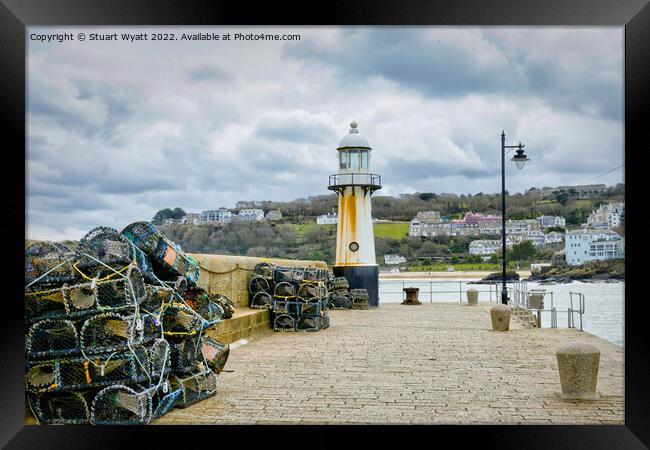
[474,274]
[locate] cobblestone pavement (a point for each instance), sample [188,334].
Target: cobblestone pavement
[433,363]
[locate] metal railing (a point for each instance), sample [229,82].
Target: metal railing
[518,294]
[580,311]
[370,180]
[431,292]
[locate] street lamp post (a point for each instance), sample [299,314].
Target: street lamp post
[519,159]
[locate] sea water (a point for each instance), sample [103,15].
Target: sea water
[604,301]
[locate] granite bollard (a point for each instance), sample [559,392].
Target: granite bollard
[500,315]
[578,366]
[411,296]
[472,297]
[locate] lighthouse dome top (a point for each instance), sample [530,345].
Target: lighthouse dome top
[353,138]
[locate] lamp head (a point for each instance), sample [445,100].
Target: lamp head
[520,157]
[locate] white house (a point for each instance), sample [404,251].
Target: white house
[394,259]
[484,246]
[220,215]
[520,226]
[578,249]
[553,237]
[250,215]
[607,249]
[535,236]
[538,238]
[490,227]
[608,215]
[513,227]
[423,228]
[551,221]
[327,219]
[449,228]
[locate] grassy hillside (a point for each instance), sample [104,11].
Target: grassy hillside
[391,230]
[387,230]
[304,229]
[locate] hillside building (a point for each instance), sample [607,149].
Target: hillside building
[610,215]
[394,259]
[221,215]
[578,246]
[551,221]
[327,219]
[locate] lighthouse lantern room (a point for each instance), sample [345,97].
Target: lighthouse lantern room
[355,241]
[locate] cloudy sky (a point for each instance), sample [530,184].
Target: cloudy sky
[119,130]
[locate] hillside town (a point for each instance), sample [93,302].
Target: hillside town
[597,235]
[224,215]
[594,240]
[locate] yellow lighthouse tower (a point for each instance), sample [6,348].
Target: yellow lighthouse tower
[355,240]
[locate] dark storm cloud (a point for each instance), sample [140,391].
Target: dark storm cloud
[581,93]
[436,67]
[442,64]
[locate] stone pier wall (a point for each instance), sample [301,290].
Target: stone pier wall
[229,275]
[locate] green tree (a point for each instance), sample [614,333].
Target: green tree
[562,197]
[167,213]
[178,213]
[161,215]
[524,251]
[474,259]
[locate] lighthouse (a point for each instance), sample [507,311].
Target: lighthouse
[355,240]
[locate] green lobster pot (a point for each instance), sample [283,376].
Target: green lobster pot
[165,253]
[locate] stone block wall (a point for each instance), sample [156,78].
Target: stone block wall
[229,275]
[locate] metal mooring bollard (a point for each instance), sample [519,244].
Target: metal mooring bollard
[500,315]
[578,364]
[472,296]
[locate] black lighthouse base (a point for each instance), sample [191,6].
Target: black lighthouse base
[361,277]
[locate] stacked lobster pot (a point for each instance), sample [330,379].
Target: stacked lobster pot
[359,298]
[261,286]
[296,296]
[103,329]
[339,296]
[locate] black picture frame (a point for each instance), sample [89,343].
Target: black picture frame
[16,15]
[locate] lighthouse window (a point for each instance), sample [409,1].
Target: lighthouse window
[354,159]
[354,246]
[364,159]
[343,157]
